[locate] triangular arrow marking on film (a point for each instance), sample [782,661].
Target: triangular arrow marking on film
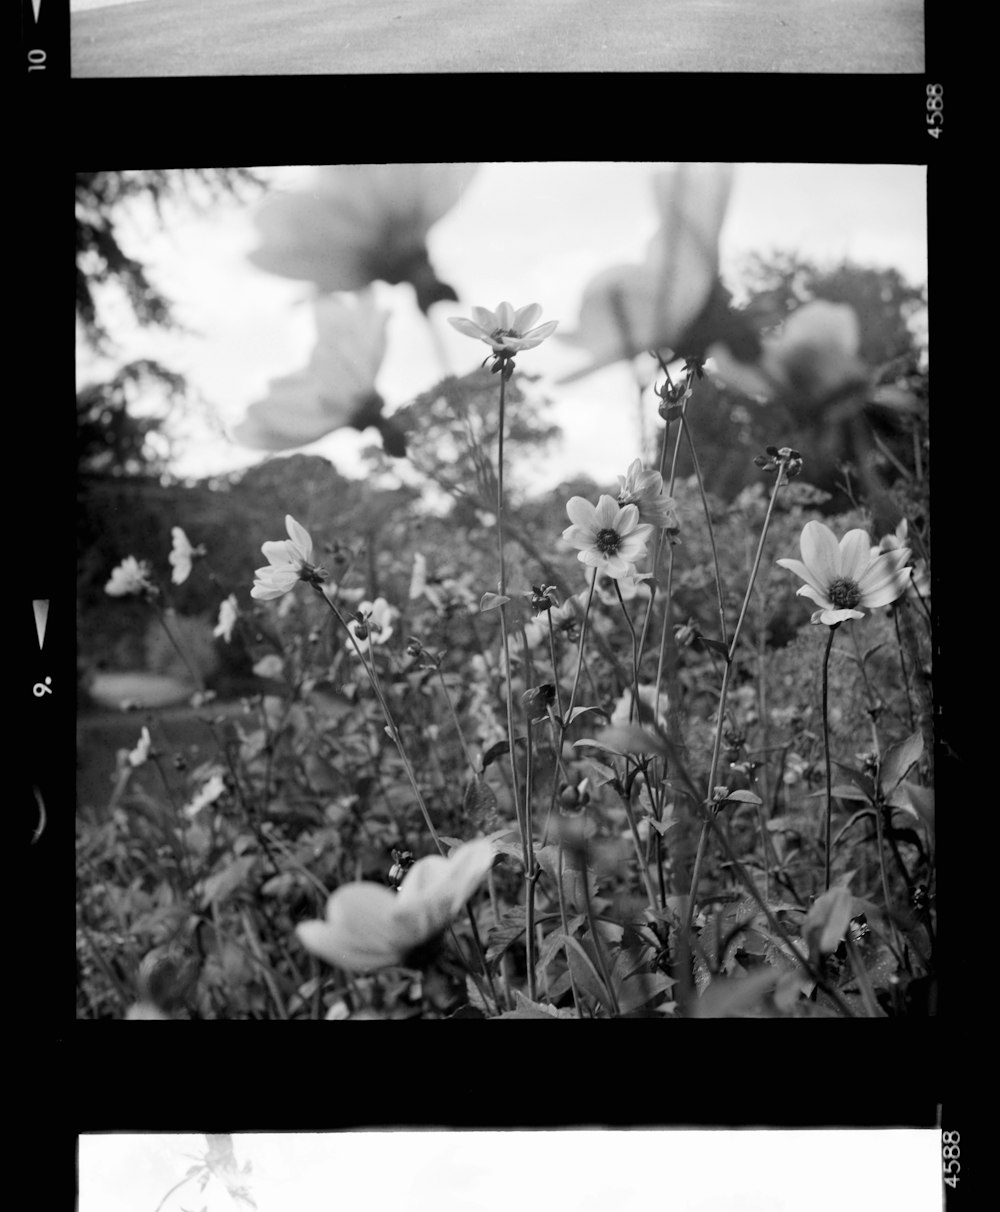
[41,608]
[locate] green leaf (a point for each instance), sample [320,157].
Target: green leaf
[625,739]
[896,762]
[480,800]
[859,779]
[492,601]
[224,883]
[636,991]
[743,797]
[578,711]
[585,972]
[529,1009]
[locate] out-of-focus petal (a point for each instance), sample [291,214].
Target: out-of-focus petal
[361,932]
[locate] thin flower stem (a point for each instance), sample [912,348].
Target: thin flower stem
[885,878]
[481,954]
[502,587]
[598,944]
[196,676]
[720,722]
[583,637]
[565,923]
[397,739]
[531,875]
[456,721]
[634,707]
[643,864]
[826,750]
[711,529]
[902,665]
[555,667]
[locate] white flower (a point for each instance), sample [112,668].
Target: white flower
[145,1010]
[842,576]
[630,309]
[368,926]
[505,330]
[610,537]
[418,579]
[131,576]
[209,793]
[228,614]
[920,581]
[814,357]
[361,223]
[270,666]
[644,489]
[139,755]
[287,560]
[336,388]
[647,698]
[375,625]
[181,556]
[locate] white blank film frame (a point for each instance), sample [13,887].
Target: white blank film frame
[538,1170]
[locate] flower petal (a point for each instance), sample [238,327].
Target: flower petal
[467,327]
[855,554]
[887,590]
[607,513]
[579,536]
[583,513]
[805,574]
[278,552]
[300,538]
[820,553]
[361,931]
[525,317]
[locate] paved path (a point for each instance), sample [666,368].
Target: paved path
[295,37]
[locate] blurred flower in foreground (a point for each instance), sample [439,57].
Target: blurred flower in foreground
[289,561]
[335,390]
[630,309]
[145,1010]
[361,223]
[644,489]
[131,576]
[813,359]
[139,755]
[182,555]
[228,614]
[610,538]
[843,576]
[373,624]
[826,922]
[368,926]
[647,700]
[209,793]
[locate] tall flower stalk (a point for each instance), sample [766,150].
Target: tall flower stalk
[507,332]
[787,463]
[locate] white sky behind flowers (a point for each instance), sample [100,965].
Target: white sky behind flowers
[750,1170]
[522,232]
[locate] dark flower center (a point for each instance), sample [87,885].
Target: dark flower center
[844,593]
[608,541]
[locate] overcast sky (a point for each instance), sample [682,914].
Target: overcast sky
[588,1171]
[521,232]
